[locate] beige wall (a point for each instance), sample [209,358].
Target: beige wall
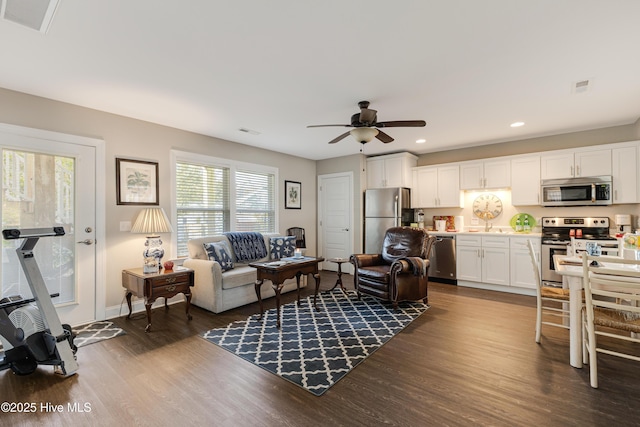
[555,142]
[136,139]
[355,164]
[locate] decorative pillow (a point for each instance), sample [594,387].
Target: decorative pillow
[282,246]
[219,252]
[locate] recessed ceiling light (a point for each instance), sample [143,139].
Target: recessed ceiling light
[517,124]
[421,141]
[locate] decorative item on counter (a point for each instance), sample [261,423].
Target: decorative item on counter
[168,265]
[522,223]
[458,223]
[450,222]
[420,218]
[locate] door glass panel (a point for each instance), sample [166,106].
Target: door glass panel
[38,192]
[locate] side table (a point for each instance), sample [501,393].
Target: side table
[165,284]
[338,261]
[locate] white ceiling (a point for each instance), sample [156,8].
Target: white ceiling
[467,67]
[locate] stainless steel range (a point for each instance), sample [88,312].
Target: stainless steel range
[556,236]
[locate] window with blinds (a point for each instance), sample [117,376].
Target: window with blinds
[255,205]
[212,199]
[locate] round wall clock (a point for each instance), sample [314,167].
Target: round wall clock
[487,206]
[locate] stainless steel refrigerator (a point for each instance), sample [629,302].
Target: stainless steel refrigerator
[384,208]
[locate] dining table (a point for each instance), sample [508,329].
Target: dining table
[570,268]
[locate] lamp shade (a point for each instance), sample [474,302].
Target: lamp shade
[364,135]
[152,221]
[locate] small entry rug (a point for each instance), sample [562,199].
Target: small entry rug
[315,349]
[95,332]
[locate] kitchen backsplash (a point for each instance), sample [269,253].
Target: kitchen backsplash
[504,219]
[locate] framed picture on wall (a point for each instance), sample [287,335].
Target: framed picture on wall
[137,182]
[292,195]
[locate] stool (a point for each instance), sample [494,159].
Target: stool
[338,261]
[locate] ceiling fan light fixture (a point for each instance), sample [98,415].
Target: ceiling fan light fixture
[363,134]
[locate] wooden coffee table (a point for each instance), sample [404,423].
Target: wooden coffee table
[279,271]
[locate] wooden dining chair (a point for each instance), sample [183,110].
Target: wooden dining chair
[552,303]
[611,310]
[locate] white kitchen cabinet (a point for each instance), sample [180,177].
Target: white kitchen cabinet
[575,163]
[483,259]
[522,274]
[393,170]
[468,259]
[436,187]
[486,174]
[525,181]
[624,163]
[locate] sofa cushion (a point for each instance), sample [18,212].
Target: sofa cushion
[220,252]
[242,275]
[282,246]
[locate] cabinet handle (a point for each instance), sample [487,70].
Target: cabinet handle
[170,288]
[577,170]
[170,280]
[615,195]
[571,173]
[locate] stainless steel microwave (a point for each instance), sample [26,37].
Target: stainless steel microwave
[591,191]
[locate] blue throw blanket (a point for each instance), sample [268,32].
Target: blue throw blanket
[247,245]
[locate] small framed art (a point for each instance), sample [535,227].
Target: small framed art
[292,195]
[137,182]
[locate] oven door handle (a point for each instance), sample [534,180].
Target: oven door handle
[593,193]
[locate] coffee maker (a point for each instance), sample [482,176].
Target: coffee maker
[623,224]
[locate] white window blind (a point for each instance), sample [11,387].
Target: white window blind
[212,199]
[255,204]
[202,202]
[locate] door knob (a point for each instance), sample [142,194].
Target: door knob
[86,242]
[345,229]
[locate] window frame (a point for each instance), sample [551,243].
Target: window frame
[234,166]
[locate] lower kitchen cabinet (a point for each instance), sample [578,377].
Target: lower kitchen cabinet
[483,259]
[522,274]
[500,262]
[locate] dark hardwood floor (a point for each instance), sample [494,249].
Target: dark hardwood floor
[471,359]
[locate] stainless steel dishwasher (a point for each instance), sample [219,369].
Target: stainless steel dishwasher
[443,260]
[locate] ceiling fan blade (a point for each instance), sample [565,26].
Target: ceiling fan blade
[322,126]
[367,115]
[402,123]
[339,138]
[384,137]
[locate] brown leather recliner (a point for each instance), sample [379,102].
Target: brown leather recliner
[399,273]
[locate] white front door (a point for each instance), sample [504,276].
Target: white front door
[336,218]
[47,183]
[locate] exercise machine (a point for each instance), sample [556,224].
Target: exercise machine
[32,335]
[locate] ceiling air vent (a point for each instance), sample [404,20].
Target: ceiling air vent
[249,131]
[582,86]
[34,14]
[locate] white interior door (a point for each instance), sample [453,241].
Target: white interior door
[336,218]
[49,183]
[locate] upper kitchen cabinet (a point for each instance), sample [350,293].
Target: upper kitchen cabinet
[625,174]
[392,170]
[525,181]
[436,187]
[574,164]
[486,174]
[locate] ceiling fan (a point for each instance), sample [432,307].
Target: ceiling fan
[366,127]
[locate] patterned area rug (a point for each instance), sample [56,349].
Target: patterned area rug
[95,332]
[315,349]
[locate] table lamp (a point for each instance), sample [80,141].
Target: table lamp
[152,221]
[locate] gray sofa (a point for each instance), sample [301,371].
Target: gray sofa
[216,290]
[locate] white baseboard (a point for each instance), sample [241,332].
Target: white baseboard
[499,288]
[137,306]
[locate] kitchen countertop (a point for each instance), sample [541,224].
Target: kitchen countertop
[484,233]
